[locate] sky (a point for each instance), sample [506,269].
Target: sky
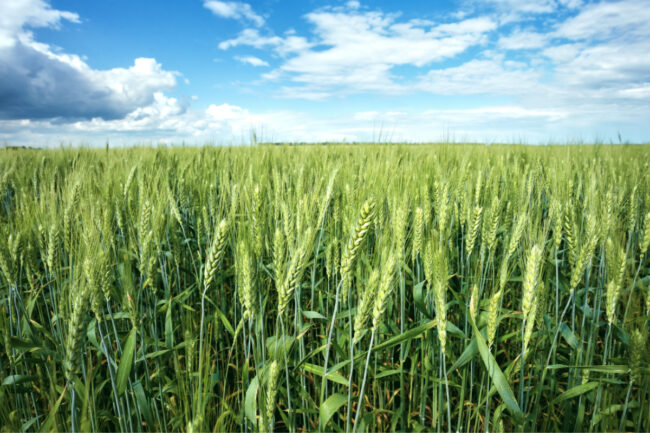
[220,72]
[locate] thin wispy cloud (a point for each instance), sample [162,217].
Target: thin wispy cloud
[252,60]
[234,10]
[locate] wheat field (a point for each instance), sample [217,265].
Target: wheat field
[325,288]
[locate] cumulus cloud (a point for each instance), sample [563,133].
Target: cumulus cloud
[37,81]
[234,10]
[164,114]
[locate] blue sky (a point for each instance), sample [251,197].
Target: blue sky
[202,71]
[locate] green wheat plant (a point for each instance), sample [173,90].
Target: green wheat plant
[366,287]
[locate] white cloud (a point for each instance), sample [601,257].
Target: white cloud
[356,40]
[231,120]
[291,44]
[234,10]
[622,19]
[37,81]
[604,68]
[468,27]
[18,15]
[500,112]
[526,6]
[606,60]
[595,70]
[356,52]
[563,53]
[482,77]
[252,60]
[232,124]
[510,11]
[359,52]
[571,4]
[282,45]
[522,40]
[583,76]
[517,11]
[163,113]
[252,38]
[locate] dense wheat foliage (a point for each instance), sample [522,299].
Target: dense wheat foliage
[325,288]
